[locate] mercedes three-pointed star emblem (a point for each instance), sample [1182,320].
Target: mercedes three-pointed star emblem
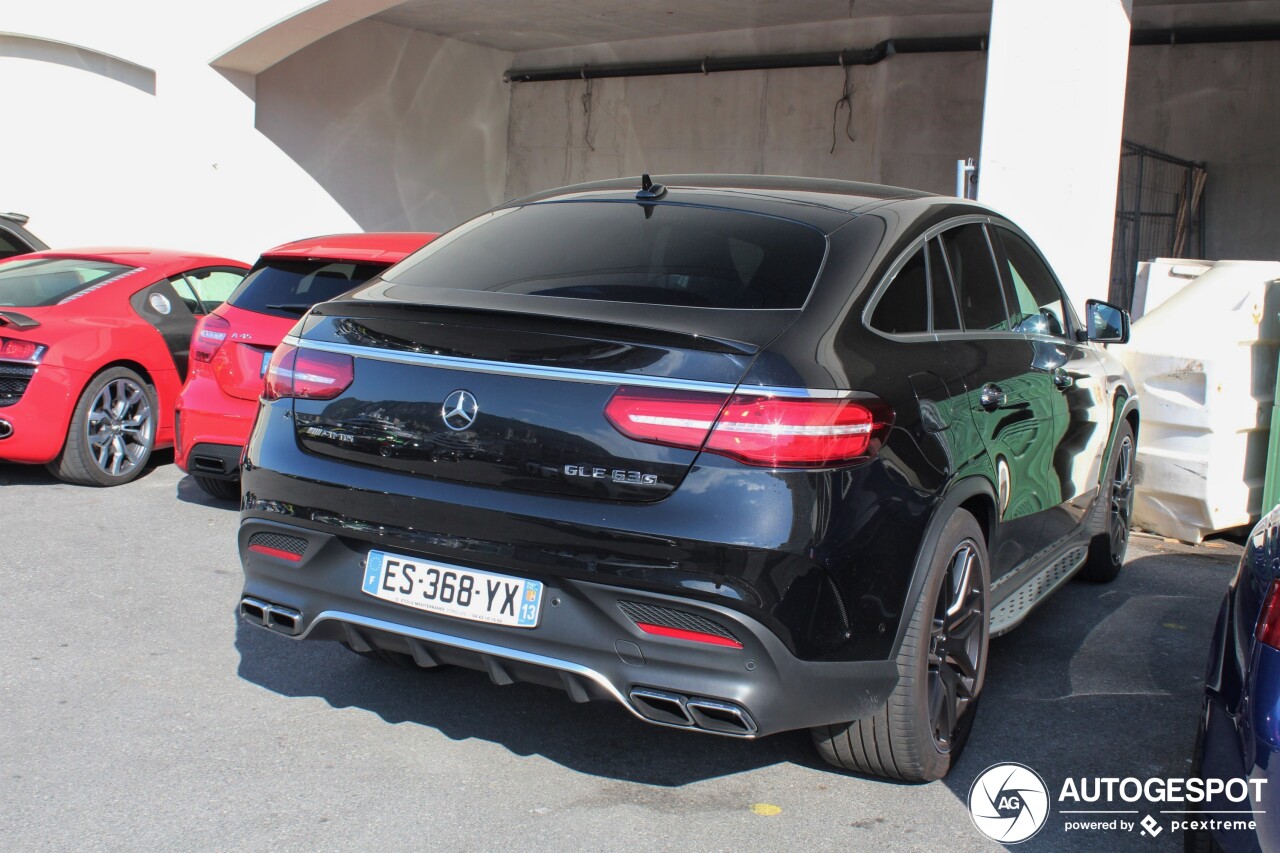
[459,410]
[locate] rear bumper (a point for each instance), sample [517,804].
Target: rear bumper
[38,421]
[211,417]
[584,644]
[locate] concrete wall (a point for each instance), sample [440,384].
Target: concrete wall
[912,118]
[913,115]
[405,130]
[1217,103]
[94,160]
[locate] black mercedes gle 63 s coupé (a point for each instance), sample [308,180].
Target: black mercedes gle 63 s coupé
[743,454]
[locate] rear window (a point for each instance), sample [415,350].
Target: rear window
[42,282]
[655,254]
[289,288]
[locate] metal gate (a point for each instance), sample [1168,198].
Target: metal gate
[1159,214]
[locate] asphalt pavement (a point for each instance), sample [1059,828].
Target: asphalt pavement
[138,713]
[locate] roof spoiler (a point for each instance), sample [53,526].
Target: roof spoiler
[20,218]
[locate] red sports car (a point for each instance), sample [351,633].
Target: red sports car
[232,346]
[93,351]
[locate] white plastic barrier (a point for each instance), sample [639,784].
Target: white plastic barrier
[1160,279]
[1204,361]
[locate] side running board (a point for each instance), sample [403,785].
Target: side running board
[1014,607]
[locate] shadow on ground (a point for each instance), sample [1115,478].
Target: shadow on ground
[1102,680]
[189,491]
[12,474]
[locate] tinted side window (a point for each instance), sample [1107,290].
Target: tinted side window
[10,246]
[973,271]
[1039,308]
[946,317]
[903,308]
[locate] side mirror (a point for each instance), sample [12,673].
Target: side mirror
[1108,324]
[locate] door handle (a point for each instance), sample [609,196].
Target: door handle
[992,397]
[1062,379]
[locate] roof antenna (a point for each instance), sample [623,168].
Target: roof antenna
[649,190]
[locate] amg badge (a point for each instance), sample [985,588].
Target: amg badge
[616,474]
[317,432]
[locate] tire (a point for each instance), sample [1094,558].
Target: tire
[227,490]
[112,431]
[1107,550]
[1198,840]
[921,731]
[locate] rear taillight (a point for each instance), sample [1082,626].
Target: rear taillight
[211,333]
[773,432]
[673,418]
[1268,629]
[307,374]
[28,352]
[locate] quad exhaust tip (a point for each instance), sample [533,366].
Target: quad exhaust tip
[284,620]
[712,715]
[6,429]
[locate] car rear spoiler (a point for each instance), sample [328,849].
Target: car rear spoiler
[743,332]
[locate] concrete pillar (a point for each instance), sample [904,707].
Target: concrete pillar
[1051,128]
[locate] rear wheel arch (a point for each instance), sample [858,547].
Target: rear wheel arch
[977,496]
[128,363]
[90,375]
[165,414]
[136,366]
[922,728]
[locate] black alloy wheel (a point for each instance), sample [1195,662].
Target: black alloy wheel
[1109,545]
[922,729]
[956,645]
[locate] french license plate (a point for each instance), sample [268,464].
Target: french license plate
[453,591]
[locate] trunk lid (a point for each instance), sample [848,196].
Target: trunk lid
[240,362]
[511,401]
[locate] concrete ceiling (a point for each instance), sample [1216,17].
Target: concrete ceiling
[531,25]
[541,24]
[541,28]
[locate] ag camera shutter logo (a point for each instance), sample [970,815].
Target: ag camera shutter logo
[1009,802]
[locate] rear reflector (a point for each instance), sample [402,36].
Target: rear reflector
[692,636]
[1268,629]
[773,432]
[307,374]
[276,552]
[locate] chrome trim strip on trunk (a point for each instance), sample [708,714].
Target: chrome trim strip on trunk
[561,374]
